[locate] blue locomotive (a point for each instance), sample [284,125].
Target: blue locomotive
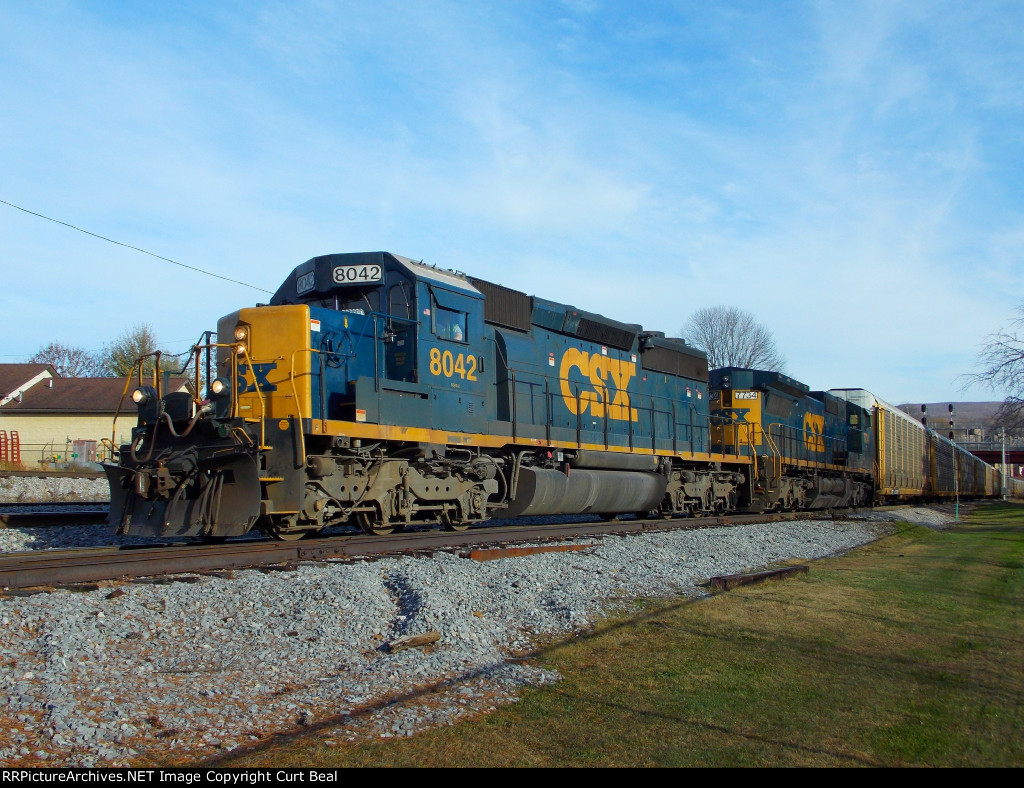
[379,391]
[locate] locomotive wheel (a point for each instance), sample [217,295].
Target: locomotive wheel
[370,526]
[287,536]
[451,524]
[291,536]
[278,529]
[283,528]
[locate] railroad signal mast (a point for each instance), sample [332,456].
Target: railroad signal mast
[956,467]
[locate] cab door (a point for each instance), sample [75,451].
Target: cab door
[452,358]
[399,336]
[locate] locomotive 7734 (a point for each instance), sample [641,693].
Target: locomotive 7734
[383,392]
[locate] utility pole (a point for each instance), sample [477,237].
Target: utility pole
[1002,476]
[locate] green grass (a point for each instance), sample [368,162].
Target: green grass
[908,652]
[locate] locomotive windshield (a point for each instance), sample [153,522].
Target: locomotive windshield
[359,302]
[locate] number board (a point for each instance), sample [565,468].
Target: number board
[305,283]
[357,274]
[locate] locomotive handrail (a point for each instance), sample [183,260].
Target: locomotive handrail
[137,364]
[776,454]
[512,376]
[743,433]
[298,405]
[234,348]
[795,441]
[675,435]
[541,387]
[363,332]
[259,393]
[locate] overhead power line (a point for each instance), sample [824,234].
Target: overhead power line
[136,248]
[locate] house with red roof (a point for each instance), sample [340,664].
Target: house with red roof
[53,420]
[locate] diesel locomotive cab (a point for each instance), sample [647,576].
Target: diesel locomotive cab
[337,344]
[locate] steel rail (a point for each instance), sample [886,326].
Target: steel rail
[66,567]
[36,514]
[56,473]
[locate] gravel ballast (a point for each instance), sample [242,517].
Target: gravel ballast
[136,673]
[52,488]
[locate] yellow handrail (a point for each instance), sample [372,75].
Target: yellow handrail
[777,458]
[295,395]
[136,365]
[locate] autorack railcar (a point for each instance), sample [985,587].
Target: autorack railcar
[914,462]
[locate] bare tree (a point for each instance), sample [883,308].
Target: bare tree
[1009,416]
[70,362]
[733,337]
[1002,367]
[120,355]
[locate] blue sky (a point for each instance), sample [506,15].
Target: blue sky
[849,172]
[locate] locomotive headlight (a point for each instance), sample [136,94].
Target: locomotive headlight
[220,387]
[147,403]
[241,333]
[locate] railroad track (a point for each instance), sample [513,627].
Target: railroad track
[49,568]
[55,473]
[35,514]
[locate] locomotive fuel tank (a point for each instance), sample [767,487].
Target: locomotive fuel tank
[544,491]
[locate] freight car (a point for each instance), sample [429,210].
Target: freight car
[373,389]
[914,462]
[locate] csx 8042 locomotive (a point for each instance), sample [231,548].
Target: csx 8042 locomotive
[383,392]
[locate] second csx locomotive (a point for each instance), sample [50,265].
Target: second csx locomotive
[380,391]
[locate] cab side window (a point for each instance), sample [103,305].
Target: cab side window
[399,303]
[449,324]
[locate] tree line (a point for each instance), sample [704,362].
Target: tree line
[115,360]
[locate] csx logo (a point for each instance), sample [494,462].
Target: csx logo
[598,371]
[259,372]
[814,426]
